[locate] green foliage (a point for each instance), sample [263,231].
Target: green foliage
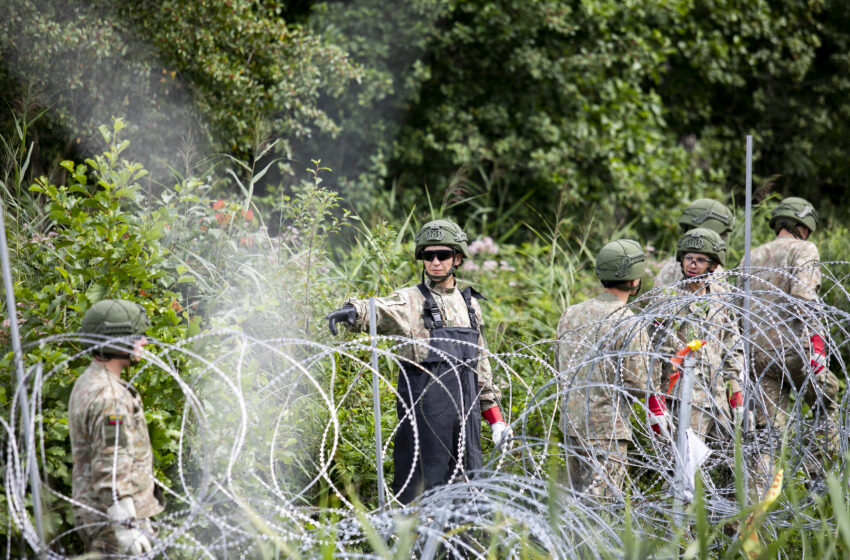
[774,70]
[620,111]
[624,111]
[504,98]
[240,60]
[95,242]
[311,220]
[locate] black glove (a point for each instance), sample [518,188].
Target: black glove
[345,313]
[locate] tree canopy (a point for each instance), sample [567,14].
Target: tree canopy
[619,110]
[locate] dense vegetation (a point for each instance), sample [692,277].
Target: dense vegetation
[549,126]
[508,106]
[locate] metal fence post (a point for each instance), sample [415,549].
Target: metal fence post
[376,404]
[29,429]
[685,397]
[745,324]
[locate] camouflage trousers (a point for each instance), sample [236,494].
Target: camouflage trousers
[100,541]
[597,467]
[777,379]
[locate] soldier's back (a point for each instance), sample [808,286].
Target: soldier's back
[792,265]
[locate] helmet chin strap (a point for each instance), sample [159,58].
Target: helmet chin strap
[116,350]
[437,279]
[636,289]
[106,356]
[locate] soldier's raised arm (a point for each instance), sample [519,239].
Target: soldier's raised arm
[394,313]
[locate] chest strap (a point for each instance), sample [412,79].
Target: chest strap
[433,317]
[467,297]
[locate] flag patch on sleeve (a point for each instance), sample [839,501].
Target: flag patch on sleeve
[115,419]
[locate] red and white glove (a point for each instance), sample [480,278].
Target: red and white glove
[659,419]
[502,433]
[818,355]
[736,402]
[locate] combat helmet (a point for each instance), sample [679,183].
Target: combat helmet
[798,210]
[709,214]
[703,241]
[620,260]
[114,318]
[441,232]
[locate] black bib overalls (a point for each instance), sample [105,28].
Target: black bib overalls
[442,393]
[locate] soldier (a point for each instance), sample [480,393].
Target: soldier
[445,383]
[785,272]
[699,310]
[596,418]
[705,213]
[113,482]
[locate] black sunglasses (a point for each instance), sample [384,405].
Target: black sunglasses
[442,254]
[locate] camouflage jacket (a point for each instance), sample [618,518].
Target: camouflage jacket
[402,313]
[595,405]
[671,272]
[682,316]
[781,268]
[109,434]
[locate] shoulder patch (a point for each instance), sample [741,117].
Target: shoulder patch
[114,431]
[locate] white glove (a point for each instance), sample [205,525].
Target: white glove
[122,514]
[501,433]
[818,363]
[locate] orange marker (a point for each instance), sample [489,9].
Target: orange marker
[679,357]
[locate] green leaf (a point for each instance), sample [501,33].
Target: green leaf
[96,292]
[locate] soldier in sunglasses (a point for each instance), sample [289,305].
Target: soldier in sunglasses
[445,384]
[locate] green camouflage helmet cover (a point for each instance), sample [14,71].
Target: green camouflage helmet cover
[709,214]
[797,210]
[620,260]
[115,317]
[704,242]
[441,232]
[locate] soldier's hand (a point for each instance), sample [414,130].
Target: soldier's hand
[817,360]
[736,402]
[659,419]
[346,314]
[122,514]
[502,433]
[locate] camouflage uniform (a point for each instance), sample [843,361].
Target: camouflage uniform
[792,266]
[596,419]
[112,453]
[401,313]
[671,272]
[710,318]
